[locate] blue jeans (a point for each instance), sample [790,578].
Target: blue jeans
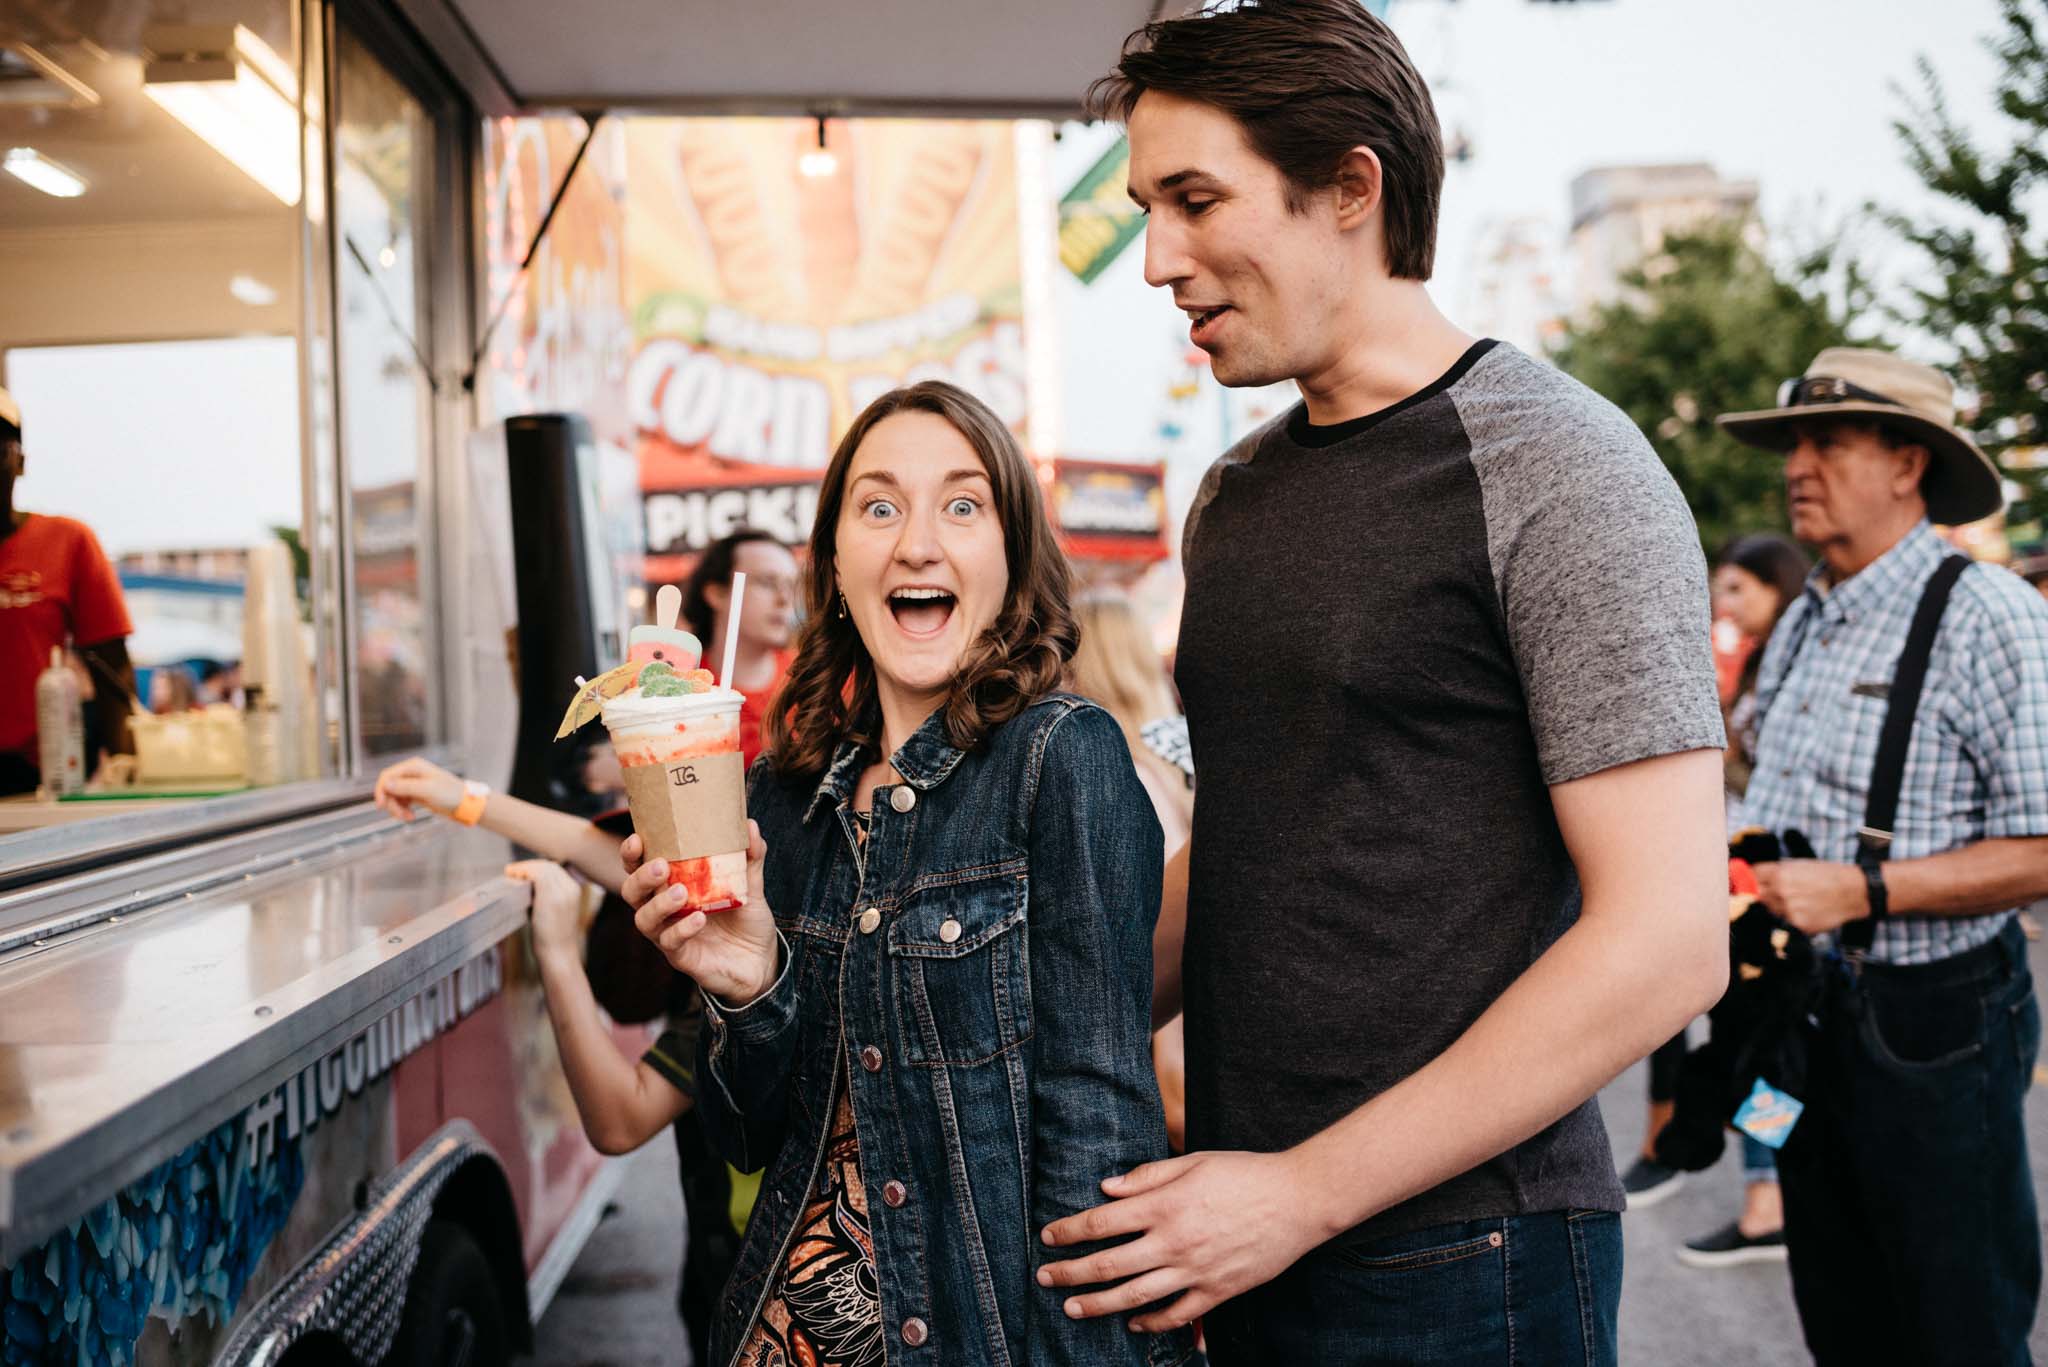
[1909,1199]
[1529,1289]
[1759,1161]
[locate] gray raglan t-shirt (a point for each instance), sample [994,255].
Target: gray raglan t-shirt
[1399,633]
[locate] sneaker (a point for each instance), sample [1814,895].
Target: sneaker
[1647,1182]
[1728,1246]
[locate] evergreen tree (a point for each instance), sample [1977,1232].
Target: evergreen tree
[1986,299]
[1708,326]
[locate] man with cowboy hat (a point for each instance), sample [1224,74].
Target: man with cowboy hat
[1909,1201]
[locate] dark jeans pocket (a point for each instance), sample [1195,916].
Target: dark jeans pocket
[1436,1296]
[1425,1248]
[1924,1030]
[2023,1017]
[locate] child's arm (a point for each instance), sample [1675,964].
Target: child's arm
[410,784]
[623,1103]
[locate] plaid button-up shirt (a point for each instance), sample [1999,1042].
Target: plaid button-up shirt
[1977,767]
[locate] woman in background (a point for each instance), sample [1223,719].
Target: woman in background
[1117,667]
[1755,579]
[767,620]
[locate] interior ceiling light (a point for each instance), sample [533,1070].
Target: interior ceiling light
[29,78]
[252,291]
[31,167]
[234,93]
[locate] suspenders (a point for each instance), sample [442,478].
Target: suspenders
[1874,839]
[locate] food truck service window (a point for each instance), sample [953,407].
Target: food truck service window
[219,261]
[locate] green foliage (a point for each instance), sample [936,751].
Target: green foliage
[1986,299]
[1708,326]
[302,568]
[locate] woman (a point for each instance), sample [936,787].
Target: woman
[1118,668]
[1755,579]
[629,980]
[767,619]
[941,981]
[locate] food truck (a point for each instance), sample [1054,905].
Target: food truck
[302,302]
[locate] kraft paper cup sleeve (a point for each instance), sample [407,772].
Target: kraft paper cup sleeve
[689,808]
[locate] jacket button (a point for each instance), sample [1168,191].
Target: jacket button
[949,930]
[894,1194]
[915,1332]
[871,1059]
[903,799]
[869,919]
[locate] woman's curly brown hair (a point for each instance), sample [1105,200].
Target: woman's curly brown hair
[829,695]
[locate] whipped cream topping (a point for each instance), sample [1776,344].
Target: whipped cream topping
[631,708]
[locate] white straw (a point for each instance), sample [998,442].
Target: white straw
[732,625]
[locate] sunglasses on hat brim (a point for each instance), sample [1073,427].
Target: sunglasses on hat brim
[1818,391]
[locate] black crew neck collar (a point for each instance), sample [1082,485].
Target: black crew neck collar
[1302,432]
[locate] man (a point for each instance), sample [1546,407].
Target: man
[1909,1202]
[1458,845]
[56,589]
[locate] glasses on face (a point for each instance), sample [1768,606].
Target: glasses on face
[1808,391]
[783,584]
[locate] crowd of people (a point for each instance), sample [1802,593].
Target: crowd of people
[1037,1052]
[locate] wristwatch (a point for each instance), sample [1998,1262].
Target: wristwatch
[470,810]
[1873,882]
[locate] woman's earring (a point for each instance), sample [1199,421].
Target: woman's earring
[842,605]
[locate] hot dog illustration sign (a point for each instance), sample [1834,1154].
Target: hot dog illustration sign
[776,288]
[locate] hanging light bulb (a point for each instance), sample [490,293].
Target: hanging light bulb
[820,162]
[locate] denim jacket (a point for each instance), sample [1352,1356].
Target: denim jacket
[982,982]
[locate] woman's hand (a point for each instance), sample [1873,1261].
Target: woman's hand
[557,907]
[415,783]
[734,954]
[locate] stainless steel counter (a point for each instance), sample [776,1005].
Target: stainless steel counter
[124,1039]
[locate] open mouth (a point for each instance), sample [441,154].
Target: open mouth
[1203,324]
[923,611]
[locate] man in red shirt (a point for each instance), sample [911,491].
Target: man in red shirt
[56,589]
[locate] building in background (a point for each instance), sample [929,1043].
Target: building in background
[1621,214]
[1515,287]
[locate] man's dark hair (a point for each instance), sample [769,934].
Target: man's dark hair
[8,432]
[1308,80]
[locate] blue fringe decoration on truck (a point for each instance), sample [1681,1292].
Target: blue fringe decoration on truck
[177,1242]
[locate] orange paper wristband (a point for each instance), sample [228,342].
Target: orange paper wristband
[470,810]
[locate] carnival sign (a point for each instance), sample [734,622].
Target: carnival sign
[777,286]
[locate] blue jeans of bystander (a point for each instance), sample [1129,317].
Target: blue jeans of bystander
[1909,1199]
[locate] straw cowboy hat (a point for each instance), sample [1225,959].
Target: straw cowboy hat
[1916,402]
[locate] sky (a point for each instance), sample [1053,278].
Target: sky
[1795,94]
